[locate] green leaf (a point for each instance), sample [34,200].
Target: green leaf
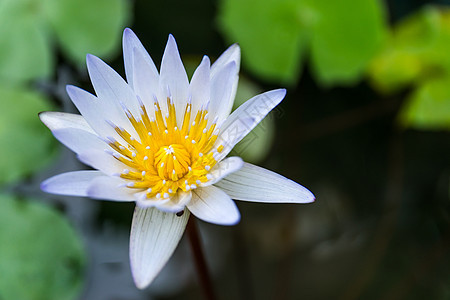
[345,37]
[428,107]
[416,51]
[256,145]
[341,36]
[25,51]
[41,257]
[26,143]
[88,26]
[270,34]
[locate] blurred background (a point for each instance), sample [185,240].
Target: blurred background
[365,126]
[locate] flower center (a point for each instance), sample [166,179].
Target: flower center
[172,162]
[166,155]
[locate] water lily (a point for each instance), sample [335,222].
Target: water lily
[162,141]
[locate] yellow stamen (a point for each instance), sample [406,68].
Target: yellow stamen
[169,155]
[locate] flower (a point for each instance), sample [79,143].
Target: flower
[162,141]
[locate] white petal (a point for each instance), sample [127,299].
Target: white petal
[213,205]
[221,92]
[96,111]
[245,118]
[102,161]
[71,183]
[224,168]
[199,88]
[111,188]
[58,120]
[132,47]
[146,81]
[143,202]
[153,239]
[79,140]
[108,84]
[173,78]
[176,203]
[256,184]
[110,87]
[233,53]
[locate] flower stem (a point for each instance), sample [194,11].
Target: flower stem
[199,258]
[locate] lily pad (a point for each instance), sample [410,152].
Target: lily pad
[340,36]
[41,257]
[81,26]
[25,51]
[270,34]
[26,143]
[88,26]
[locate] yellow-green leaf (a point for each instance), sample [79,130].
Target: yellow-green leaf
[428,107]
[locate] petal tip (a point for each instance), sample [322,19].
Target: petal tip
[92,60]
[282,92]
[171,44]
[44,186]
[89,57]
[141,284]
[42,116]
[127,31]
[206,60]
[128,36]
[70,89]
[306,195]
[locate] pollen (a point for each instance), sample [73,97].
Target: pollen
[168,155]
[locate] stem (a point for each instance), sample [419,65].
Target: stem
[199,258]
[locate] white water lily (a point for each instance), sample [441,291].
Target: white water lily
[162,141]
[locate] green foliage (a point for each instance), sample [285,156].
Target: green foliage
[41,257]
[25,51]
[86,26]
[416,50]
[417,55]
[81,26]
[340,36]
[429,106]
[26,143]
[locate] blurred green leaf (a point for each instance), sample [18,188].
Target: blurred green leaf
[81,26]
[87,26]
[416,51]
[25,51]
[342,36]
[26,143]
[270,35]
[256,145]
[428,107]
[41,257]
[345,37]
